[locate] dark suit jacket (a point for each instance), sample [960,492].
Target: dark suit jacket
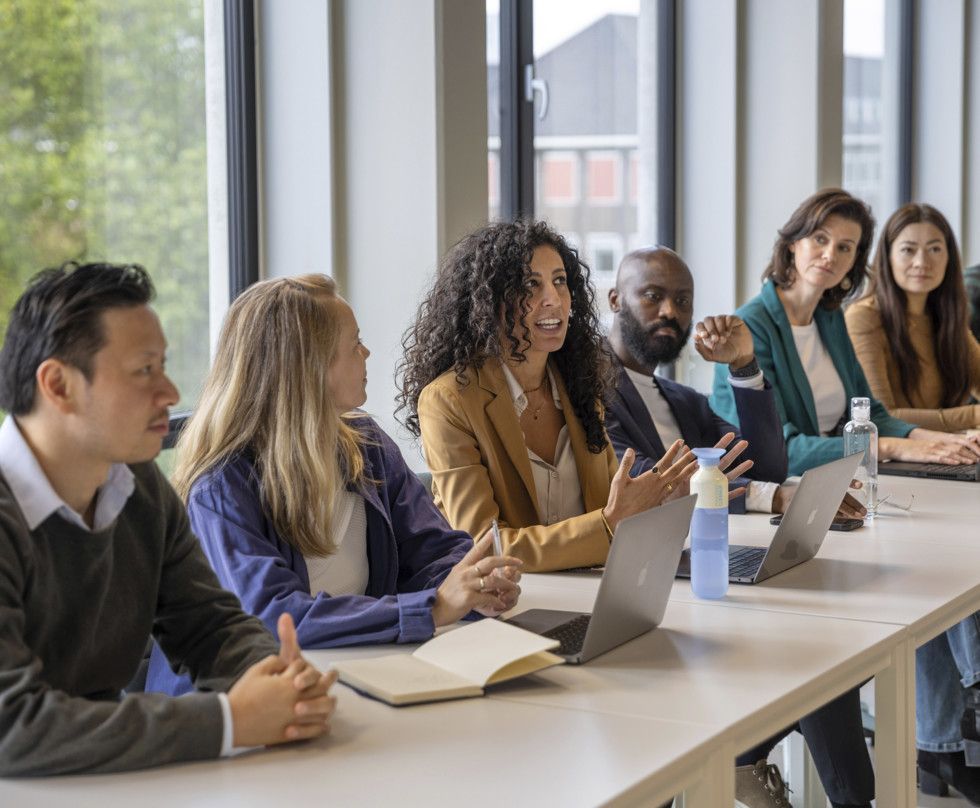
[629,424]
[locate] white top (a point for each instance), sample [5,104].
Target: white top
[344,572]
[557,486]
[657,406]
[828,391]
[758,495]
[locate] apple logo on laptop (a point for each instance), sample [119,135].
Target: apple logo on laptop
[813,515]
[643,577]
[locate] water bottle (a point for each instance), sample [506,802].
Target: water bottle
[709,528]
[861,435]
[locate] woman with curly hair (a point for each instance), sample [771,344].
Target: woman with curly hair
[502,378]
[911,333]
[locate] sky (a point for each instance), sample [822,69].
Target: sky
[557,20]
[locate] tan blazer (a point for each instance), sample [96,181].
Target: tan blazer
[881,368]
[475,449]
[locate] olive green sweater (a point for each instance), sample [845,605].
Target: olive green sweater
[76,609]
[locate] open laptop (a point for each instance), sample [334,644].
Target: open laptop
[800,533]
[937,471]
[633,591]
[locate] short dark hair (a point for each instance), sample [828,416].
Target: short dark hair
[805,221]
[59,315]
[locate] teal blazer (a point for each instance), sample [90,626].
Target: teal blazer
[780,362]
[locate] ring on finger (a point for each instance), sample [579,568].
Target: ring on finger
[669,488]
[482,585]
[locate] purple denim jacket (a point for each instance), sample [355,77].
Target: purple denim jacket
[410,547]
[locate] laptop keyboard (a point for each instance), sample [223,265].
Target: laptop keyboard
[941,468]
[571,635]
[744,562]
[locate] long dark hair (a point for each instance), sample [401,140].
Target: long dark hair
[945,305]
[458,324]
[805,221]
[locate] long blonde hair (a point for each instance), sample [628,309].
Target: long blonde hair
[267,393]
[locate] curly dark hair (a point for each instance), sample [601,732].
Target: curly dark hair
[805,221]
[458,324]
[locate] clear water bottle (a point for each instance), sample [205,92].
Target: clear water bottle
[709,528]
[861,435]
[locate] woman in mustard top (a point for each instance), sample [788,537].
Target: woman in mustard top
[503,379]
[911,332]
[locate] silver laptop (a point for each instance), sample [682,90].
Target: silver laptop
[801,531]
[633,591]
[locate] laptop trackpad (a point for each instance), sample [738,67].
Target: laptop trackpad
[541,621]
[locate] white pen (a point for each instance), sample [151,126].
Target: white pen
[498,547]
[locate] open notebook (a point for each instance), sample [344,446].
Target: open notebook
[454,665]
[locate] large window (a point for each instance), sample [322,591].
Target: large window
[864,130]
[103,153]
[579,81]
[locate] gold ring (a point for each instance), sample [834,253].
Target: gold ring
[669,488]
[481,583]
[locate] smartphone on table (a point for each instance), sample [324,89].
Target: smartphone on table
[839,523]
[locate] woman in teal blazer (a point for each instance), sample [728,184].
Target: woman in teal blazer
[819,259]
[776,353]
[831,233]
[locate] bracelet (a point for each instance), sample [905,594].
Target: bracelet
[751,369]
[605,524]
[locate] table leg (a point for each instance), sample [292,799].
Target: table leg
[895,729]
[717,783]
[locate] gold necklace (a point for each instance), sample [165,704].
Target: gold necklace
[536,410]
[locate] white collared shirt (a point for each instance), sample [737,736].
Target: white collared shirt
[558,489]
[37,500]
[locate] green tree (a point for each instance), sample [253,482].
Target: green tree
[103,153]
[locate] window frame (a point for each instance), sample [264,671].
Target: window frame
[517,174]
[241,162]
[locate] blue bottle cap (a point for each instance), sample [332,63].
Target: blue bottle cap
[708,456]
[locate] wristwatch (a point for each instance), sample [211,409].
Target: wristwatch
[751,369]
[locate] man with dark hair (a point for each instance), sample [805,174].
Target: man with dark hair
[653,305]
[96,554]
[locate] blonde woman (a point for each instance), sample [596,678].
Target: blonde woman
[307,507]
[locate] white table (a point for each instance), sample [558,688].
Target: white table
[473,752]
[918,569]
[747,673]
[664,713]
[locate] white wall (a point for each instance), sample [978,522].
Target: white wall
[374,142]
[294,136]
[410,152]
[759,131]
[970,233]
